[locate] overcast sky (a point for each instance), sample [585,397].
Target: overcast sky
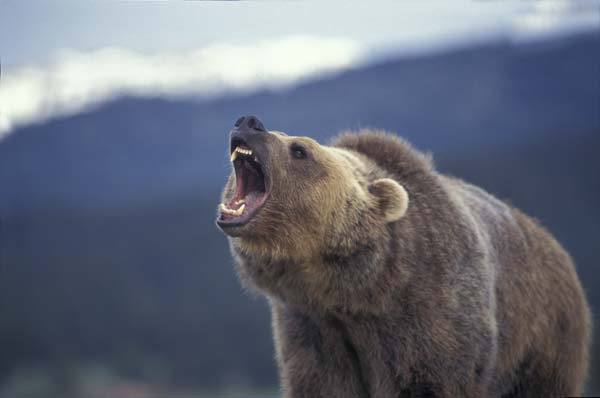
[32,31]
[59,57]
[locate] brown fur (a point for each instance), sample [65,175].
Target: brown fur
[461,297]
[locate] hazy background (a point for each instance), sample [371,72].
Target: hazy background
[114,281]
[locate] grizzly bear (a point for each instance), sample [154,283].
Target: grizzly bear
[386,278]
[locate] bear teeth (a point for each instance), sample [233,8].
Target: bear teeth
[238,150]
[227,210]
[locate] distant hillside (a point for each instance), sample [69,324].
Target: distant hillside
[489,97]
[108,249]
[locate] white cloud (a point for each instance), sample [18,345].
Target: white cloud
[540,19]
[77,80]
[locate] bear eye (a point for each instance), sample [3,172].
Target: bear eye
[298,151]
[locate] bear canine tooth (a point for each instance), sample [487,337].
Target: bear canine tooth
[234,155]
[224,209]
[240,210]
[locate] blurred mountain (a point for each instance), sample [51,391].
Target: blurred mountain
[491,97]
[108,249]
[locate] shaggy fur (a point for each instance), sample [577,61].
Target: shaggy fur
[462,296]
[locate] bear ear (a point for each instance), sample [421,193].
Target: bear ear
[392,198]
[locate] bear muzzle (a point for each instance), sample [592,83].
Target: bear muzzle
[248,148]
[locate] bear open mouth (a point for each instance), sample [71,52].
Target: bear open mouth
[251,189]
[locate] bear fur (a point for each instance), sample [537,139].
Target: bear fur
[388,279]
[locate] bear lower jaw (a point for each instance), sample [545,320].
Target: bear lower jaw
[232,231]
[233,218]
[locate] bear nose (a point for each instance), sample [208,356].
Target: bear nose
[249,130]
[249,123]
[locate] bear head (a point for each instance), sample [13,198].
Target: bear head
[305,213]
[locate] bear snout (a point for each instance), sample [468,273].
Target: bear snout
[250,122]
